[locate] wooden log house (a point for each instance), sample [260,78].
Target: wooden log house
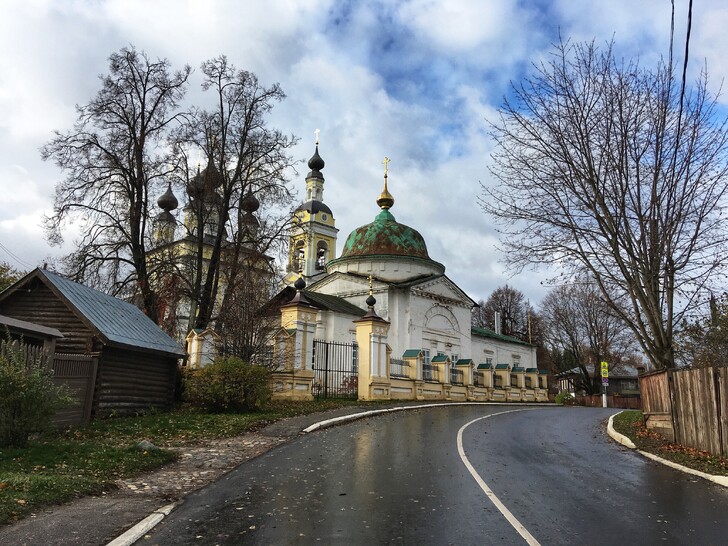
[134,361]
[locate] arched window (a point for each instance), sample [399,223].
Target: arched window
[298,257]
[322,255]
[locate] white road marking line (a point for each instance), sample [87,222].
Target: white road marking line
[517,525]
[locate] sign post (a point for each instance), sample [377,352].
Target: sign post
[605,383]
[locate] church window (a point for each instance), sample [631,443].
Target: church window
[321,256]
[454,358]
[324,217]
[426,357]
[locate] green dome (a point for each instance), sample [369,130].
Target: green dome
[384,236]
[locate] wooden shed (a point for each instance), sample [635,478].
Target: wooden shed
[131,362]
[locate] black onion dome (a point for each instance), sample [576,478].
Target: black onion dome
[250,203]
[371,301]
[196,186]
[168,201]
[314,206]
[212,177]
[316,164]
[300,284]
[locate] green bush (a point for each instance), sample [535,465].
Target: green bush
[28,396]
[227,385]
[565,399]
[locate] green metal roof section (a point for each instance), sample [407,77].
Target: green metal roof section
[531,370]
[412,353]
[519,369]
[334,303]
[502,367]
[484,366]
[440,358]
[385,236]
[118,321]
[484,332]
[543,372]
[464,361]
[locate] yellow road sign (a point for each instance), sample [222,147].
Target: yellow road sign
[605,366]
[605,372]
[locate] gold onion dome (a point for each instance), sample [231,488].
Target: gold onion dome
[385,199]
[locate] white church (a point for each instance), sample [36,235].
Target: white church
[384,277]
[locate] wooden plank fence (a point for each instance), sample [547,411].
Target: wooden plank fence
[32,353]
[613,401]
[78,374]
[688,407]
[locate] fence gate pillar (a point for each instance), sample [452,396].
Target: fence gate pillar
[371,336]
[294,379]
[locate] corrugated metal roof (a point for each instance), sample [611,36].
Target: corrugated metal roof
[118,321]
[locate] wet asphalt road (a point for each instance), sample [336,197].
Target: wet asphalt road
[398,479]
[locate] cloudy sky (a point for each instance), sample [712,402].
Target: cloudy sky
[415,80]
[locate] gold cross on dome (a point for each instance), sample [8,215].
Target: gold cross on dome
[386,165]
[316,132]
[370,285]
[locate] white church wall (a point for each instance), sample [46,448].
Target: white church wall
[501,352]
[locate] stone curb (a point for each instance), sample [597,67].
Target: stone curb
[147,524]
[354,416]
[143,527]
[622,439]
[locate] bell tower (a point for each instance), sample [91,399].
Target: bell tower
[312,242]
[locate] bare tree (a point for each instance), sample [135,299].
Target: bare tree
[613,168]
[511,304]
[244,157]
[113,157]
[578,322]
[703,341]
[8,275]
[131,142]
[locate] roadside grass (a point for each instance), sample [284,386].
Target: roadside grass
[60,466]
[631,424]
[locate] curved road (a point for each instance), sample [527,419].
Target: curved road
[399,479]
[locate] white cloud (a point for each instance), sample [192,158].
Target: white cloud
[414,80]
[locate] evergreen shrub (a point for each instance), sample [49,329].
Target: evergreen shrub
[228,384]
[565,399]
[28,396]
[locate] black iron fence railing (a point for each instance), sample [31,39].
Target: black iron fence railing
[429,373]
[398,368]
